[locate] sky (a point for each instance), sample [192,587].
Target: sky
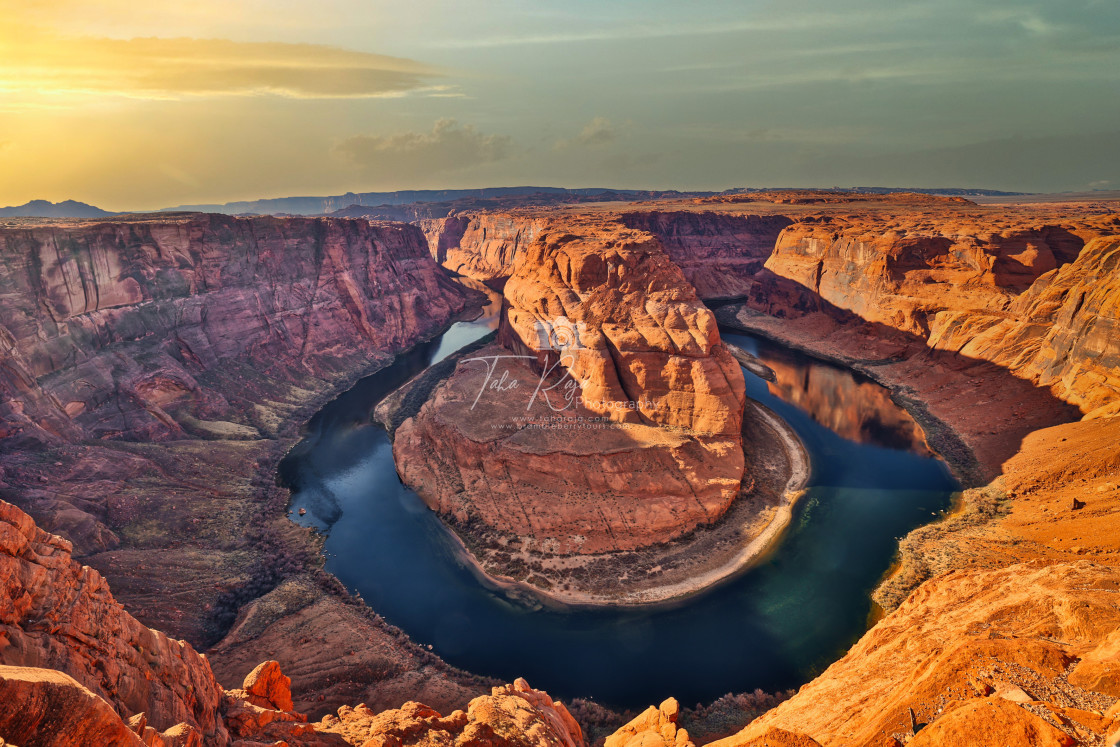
[134,106]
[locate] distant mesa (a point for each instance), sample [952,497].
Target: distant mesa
[353,202]
[420,204]
[46,209]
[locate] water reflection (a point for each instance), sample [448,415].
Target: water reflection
[847,403]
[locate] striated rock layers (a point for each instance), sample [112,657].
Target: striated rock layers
[116,329]
[484,247]
[1031,296]
[77,669]
[58,615]
[718,253]
[153,370]
[608,419]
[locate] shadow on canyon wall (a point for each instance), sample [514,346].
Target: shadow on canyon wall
[975,412]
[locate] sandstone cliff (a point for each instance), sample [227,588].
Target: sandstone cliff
[116,329]
[1030,296]
[616,421]
[153,370]
[485,247]
[59,615]
[77,669]
[717,252]
[988,654]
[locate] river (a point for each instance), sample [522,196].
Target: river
[773,627]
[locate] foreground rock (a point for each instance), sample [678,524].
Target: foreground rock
[46,707]
[1013,634]
[511,716]
[76,668]
[59,615]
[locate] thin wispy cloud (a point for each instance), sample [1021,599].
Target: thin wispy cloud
[158,103]
[157,68]
[786,23]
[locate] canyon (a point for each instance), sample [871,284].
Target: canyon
[621,424]
[156,368]
[154,372]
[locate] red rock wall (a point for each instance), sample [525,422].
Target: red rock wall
[605,307]
[1063,332]
[1031,297]
[109,329]
[485,247]
[643,335]
[717,252]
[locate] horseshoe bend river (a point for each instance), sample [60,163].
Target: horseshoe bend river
[773,627]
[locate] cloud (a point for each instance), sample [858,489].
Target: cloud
[599,131]
[36,63]
[449,146]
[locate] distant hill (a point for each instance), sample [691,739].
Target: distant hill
[324,205]
[439,209]
[45,209]
[413,204]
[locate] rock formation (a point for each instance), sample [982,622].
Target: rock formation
[718,253]
[483,247]
[618,421]
[152,372]
[115,329]
[654,727]
[562,482]
[1012,634]
[76,668]
[60,615]
[511,716]
[1030,296]
[623,323]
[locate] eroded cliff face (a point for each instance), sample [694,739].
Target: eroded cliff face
[77,669]
[58,615]
[978,656]
[558,482]
[636,331]
[1032,297]
[718,252]
[608,418]
[1063,332]
[485,247]
[155,369]
[119,329]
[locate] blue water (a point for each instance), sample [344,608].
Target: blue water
[773,627]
